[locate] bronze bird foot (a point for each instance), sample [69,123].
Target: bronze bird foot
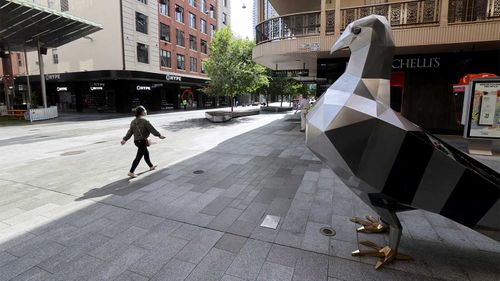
[386,254]
[370,225]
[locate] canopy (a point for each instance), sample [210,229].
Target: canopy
[23,24]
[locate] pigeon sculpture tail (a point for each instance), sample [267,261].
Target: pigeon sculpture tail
[389,162]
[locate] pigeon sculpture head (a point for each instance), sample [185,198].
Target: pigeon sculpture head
[370,40]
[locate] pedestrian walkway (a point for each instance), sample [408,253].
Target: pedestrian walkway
[199,219]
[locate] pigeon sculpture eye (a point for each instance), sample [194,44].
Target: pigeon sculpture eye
[356,30]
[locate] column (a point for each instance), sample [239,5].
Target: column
[42,76]
[443,18]
[27,72]
[337,18]
[322,28]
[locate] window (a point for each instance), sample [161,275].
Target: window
[164,10]
[192,20]
[179,13]
[142,53]
[224,18]
[203,4]
[204,46]
[19,60]
[55,56]
[225,3]
[181,62]
[212,30]
[143,1]
[192,3]
[193,64]
[203,26]
[212,11]
[179,38]
[192,42]
[64,5]
[141,23]
[165,58]
[202,67]
[164,32]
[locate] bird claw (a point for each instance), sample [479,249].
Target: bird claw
[370,225]
[386,254]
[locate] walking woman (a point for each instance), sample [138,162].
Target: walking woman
[140,128]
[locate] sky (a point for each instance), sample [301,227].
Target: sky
[241,19]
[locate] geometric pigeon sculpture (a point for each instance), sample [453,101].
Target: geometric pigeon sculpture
[390,163]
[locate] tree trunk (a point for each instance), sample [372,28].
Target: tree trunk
[281,105]
[232,104]
[290,100]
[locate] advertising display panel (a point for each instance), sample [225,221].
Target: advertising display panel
[483,118]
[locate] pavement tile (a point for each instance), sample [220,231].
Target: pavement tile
[151,262]
[231,243]
[275,272]
[33,274]
[212,266]
[225,219]
[6,258]
[186,232]
[16,267]
[249,260]
[174,270]
[314,240]
[283,255]
[311,267]
[157,234]
[197,248]
[131,276]
[290,239]
[217,205]
[80,269]
[231,278]
[242,228]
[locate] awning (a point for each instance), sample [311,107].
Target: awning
[23,23]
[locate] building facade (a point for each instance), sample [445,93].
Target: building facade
[150,52]
[437,42]
[224,13]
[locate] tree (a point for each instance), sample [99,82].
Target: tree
[230,67]
[285,87]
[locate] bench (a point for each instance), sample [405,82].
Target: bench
[18,113]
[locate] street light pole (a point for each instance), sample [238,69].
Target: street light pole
[27,76]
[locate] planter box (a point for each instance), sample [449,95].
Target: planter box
[218,117]
[275,108]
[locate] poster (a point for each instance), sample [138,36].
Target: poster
[484,118]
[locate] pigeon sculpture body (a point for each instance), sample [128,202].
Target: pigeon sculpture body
[389,162]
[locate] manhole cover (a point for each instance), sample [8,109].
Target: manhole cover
[327,231]
[72,152]
[198,172]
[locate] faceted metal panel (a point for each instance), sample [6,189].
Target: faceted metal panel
[388,161]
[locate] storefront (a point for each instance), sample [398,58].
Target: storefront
[422,84]
[120,91]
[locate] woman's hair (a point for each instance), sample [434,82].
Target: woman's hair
[139,110]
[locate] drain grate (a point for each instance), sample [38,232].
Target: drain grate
[327,231]
[72,152]
[198,172]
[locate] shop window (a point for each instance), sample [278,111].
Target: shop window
[143,1]
[181,62]
[164,7]
[64,5]
[142,53]
[141,23]
[164,32]
[204,46]
[203,26]
[192,21]
[165,58]
[179,13]
[192,42]
[55,56]
[179,38]
[193,64]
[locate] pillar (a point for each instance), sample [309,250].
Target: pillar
[337,18]
[322,28]
[443,19]
[42,76]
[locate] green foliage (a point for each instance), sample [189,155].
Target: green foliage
[230,66]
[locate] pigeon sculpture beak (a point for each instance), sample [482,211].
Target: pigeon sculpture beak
[344,41]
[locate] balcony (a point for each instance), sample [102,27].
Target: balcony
[401,15]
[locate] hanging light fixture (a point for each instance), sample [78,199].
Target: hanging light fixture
[244,6]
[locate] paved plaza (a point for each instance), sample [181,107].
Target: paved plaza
[67,211]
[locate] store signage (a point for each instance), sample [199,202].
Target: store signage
[290,73]
[62,89]
[406,63]
[158,85]
[170,77]
[52,76]
[483,102]
[97,86]
[143,88]
[315,47]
